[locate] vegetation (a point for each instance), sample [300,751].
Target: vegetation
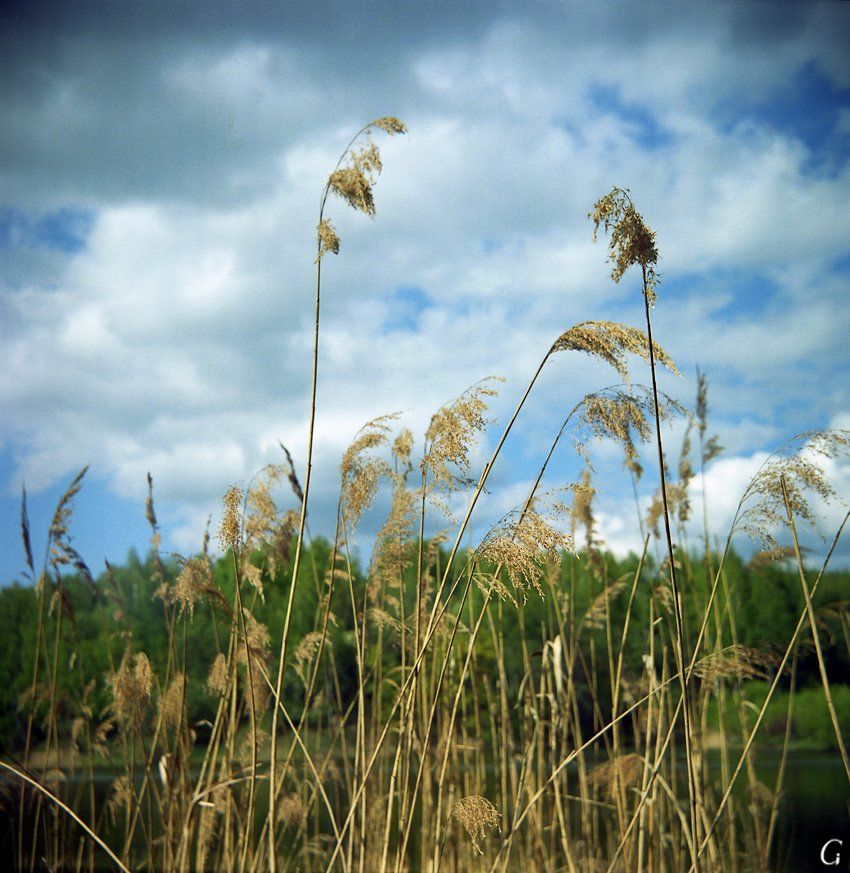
[527,701]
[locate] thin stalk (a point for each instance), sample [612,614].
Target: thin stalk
[67,810]
[815,635]
[677,600]
[296,563]
[763,711]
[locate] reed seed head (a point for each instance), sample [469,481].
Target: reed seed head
[217,679]
[619,774]
[361,470]
[521,543]
[194,582]
[618,415]
[305,652]
[632,242]
[803,477]
[594,618]
[230,529]
[131,686]
[454,432]
[477,815]
[737,662]
[327,239]
[171,703]
[390,124]
[611,342]
[290,810]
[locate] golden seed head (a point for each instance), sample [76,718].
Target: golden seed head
[737,662]
[361,470]
[230,529]
[402,447]
[217,679]
[171,703]
[766,557]
[354,182]
[600,607]
[632,242]
[195,580]
[618,415]
[305,652]
[619,774]
[611,341]
[390,124]
[290,810]
[521,543]
[328,241]
[121,796]
[803,477]
[477,815]
[257,639]
[453,433]
[131,688]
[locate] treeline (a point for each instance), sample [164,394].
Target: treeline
[94,622]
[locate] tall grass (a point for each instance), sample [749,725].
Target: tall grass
[411,741]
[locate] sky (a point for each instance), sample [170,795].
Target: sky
[161,166]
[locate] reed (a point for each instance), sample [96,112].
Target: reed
[520,702]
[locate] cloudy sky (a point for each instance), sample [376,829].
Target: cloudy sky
[160,172]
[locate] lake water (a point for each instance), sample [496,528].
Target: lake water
[814,810]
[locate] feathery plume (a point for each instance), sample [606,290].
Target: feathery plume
[804,478]
[618,415]
[453,433]
[230,529]
[611,341]
[632,242]
[736,662]
[618,774]
[521,542]
[477,815]
[361,471]
[217,680]
[131,686]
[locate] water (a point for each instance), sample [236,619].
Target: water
[814,810]
[814,807]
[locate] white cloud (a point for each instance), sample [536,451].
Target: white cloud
[178,340]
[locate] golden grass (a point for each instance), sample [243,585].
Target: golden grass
[438,759]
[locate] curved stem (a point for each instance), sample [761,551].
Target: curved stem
[50,796]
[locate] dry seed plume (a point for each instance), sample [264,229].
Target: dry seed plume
[217,680]
[230,529]
[392,552]
[354,182]
[804,478]
[477,815]
[594,618]
[618,774]
[611,341]
[453,434]
[522,542]
[737,662]
[632,242]
[131,688]
[171,703]
[305,652]
[361,470]
[194,582]
[618,415]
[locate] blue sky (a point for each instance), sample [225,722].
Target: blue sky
[160,169]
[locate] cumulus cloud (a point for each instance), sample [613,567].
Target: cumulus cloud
[176,338]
